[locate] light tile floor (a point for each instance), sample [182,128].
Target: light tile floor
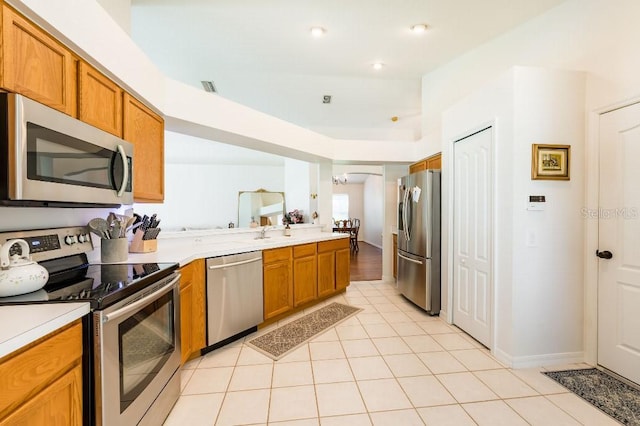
[391,364]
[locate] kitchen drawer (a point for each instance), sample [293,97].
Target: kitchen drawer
[324,246]
[304,250]
[275,255]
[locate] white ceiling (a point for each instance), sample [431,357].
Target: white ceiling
[260,53]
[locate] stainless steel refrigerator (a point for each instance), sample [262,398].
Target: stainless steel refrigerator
[419,239]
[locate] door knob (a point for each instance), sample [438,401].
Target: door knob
[604,254]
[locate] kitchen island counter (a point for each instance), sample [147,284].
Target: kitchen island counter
[24,324]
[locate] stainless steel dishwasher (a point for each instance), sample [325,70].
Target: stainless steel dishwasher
[234,297]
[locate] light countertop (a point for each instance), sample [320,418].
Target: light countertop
[184,247]
[23,324]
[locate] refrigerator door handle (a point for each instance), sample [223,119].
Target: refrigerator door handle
[404,215]
[410,260]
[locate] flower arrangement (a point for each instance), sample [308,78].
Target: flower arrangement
[293,217]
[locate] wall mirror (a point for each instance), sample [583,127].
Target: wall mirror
[262,206]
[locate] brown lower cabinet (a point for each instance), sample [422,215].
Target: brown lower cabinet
[192,309]
[305,272]
[42,383]
[277,278]
[333,266]
[297,275]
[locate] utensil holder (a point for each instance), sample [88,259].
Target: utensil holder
[138,245]
[113,250]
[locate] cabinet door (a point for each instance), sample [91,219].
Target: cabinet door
[36,65]
[342,268]
[326,273]
[434,162]
[278,288]
[418,167]
[304,280]
[186,323]
[192,309]
[100,100]
[58,404]
[145,130]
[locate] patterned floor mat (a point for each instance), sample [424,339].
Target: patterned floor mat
[277,343]
[616,398]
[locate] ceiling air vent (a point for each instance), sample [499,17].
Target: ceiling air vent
[209,86]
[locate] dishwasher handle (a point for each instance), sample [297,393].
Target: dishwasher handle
[242,262]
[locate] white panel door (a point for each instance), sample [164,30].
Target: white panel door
[619,234]
[472,201]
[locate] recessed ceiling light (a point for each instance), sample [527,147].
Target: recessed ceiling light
[317,31]
[377,66]
[419,28]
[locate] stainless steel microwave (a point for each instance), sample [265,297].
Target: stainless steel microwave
[48,158]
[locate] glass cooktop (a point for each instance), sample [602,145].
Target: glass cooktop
[99,284]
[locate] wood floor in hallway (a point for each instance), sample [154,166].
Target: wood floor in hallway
[366,264]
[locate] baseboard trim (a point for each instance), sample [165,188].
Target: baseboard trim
[371,244]
[538,360]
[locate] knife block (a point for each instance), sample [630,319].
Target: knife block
[138,245]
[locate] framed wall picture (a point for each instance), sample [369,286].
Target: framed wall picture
[550,162]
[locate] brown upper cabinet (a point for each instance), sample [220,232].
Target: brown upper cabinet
[145,129]
[99,100]
[429,163]
[36,65]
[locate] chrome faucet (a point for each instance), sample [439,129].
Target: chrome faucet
[262,232]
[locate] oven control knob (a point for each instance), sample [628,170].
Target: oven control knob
[70,239]
[82,238]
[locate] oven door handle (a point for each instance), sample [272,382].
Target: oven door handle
[127,309]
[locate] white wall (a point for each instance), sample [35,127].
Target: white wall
[297,187]
[594,36]
[584,35]
[373,210]
[390,206]
[538,284]
[202,183]
[206,195]
[120,11]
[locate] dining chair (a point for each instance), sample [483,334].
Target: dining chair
[353,235]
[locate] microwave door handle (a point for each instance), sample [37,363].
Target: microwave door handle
[125,168]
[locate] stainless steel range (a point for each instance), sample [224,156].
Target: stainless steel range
[132,336]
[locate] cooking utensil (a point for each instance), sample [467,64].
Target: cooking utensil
[20,274]
[116,228]
[100,227]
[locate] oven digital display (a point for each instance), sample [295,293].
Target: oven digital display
[43,243]
[37,244]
